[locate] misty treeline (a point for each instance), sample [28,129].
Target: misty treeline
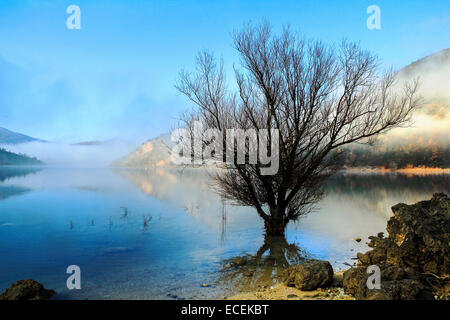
[10,158]
[320,98]
[399,157]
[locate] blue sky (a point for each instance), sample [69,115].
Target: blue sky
[114,77]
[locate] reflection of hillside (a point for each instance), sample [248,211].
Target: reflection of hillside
[9,191]
[190,189]
[355,205]
[170,185]
[7,173]
[378,192]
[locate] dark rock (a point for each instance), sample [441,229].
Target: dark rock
[394,284]
[310,275]
[239,261]
[352,279]
[337,280]
[412,259]
[26,290]
[248,274]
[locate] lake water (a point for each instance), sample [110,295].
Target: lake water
[140,234]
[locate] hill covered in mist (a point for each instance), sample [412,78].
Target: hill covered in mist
[427,142]
[11,137]
[152,153]
[14,159]
[431,122]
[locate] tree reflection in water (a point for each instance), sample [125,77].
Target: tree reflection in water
[9,172]
[265,268]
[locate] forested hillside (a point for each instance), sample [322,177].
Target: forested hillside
[10,158]
[399,157]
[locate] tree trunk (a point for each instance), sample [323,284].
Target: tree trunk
[275,227]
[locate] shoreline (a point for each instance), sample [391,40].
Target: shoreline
[281,291]
[405,171]
[344,170]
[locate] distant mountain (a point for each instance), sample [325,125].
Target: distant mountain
[151,154]
[14,159]
[10,137]
[437,60]
[427,142]
[434,84]
[88,143]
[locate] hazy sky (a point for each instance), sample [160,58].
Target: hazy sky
[114,77]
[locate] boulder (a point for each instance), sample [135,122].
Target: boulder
[310,275]
[26,290]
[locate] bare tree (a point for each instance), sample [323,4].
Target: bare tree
[319,98]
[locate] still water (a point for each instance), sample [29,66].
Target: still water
[140,234]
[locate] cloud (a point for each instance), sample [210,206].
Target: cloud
[437,111]
[69,106]
[35,101]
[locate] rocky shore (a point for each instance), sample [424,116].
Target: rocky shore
[414,259]
[283,291]
[413,262]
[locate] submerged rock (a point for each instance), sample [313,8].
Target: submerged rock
[414,259]
[310,275]
[26,290]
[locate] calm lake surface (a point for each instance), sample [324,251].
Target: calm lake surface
[140,234]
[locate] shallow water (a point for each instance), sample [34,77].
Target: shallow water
[140,234]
